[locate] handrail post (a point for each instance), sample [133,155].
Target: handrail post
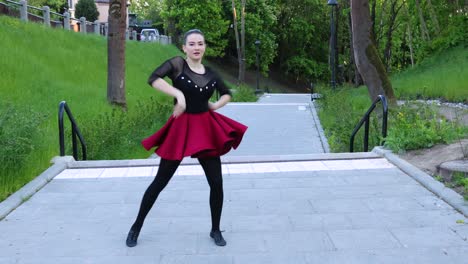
[75,150]
[366,134]
[366,119]
[61,132]
[63,107]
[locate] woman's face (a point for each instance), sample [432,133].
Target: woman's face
[194,47]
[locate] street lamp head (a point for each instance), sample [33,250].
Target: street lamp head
[257,42]
[332,2]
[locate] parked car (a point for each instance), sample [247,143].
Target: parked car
[149,34]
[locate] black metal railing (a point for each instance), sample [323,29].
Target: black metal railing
[75,131]
[365,119]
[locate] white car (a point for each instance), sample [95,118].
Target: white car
[149,34]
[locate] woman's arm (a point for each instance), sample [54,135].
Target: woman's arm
[223,100]
[163,86]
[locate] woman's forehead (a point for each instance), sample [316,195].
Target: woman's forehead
[195,37]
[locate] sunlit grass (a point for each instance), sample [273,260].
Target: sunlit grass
[443,76]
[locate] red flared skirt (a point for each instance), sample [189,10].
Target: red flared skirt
[198,135]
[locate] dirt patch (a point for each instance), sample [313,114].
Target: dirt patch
[429,160]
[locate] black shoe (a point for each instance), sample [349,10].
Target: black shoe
[218,238]
[132,238]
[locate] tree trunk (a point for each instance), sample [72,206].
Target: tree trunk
[377,36]
[357,77]
[394,10]
[424,31]
[365,53]
[116,53]
[374,4]
[434,19]
[339,76]
[236,32]
[410,35]
[410,44]
[242,65]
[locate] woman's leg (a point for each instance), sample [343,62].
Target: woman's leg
[213,172]
[166,170]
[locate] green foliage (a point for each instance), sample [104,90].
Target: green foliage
[36,77]
[409,126]
[260,22]
[18,127]
[419,126]
[243,93]
[340,112]
[306,69]
[57,6]
[443,76]
[87,9]
[303,33]
[205,15]
[107,134]
[460,181]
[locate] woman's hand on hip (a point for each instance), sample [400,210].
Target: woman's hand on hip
[179,107]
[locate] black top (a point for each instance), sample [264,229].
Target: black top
[197,88]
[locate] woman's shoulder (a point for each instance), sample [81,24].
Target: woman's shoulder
[211,71]
[177,60]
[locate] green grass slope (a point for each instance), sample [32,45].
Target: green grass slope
[442,76]
[39,67]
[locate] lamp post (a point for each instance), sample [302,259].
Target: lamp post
[257,51]
[332,4]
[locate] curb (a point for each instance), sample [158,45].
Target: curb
[224,160]
[23,194]
[319,128]
[448,195]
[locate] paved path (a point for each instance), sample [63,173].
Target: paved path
[308,208]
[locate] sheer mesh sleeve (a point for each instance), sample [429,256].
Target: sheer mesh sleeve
[221,86]
[162,71]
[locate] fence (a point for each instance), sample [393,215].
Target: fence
[49,18]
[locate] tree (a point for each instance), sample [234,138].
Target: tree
[205,15]
[116,53]
[87,9]
[240,78]
[303,40]
[365,53]
[58,6]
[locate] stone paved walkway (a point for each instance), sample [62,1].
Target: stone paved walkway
[300,205]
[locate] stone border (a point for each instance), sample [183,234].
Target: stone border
[224,160]
[319,128]
[68,162]
[448,195]
[23,194]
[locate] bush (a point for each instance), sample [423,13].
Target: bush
[17,130]
[109,135]
[88,9]
[340,111]
[243,94]
[416,126]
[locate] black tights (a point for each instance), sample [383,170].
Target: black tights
[167,168]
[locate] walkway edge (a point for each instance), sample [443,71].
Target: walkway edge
[448,195]
[224,160]
[23,194]
[318,126]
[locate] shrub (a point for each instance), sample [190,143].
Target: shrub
[88,9]
[109,135]
[243,94]
[415,126]
[17,130]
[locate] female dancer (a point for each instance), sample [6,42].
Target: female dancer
[194,129]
